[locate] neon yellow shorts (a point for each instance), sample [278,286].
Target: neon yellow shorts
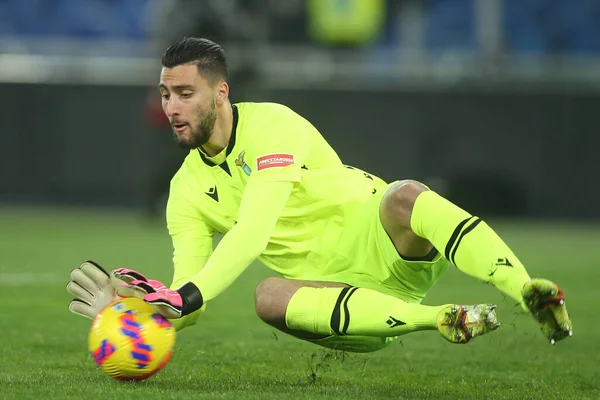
[365,256]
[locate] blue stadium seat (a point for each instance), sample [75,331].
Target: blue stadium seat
[560,26]
[451,24]
[74,18]
[6,27]
[581,26]
[529,26]
[32,17]
[104,19]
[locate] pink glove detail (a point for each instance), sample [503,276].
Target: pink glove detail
[166,301]
[128,275]
[130,283]
[149,286]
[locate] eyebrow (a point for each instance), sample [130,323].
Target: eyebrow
[175,87]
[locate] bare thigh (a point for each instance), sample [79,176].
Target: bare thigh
[273,296]
[395,212]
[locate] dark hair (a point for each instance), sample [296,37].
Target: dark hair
[208,56]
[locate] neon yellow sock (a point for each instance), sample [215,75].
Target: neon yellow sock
[356,311]
[469,243]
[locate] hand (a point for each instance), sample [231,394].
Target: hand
[130,283]
[92,290]
[178,303]
[169,303]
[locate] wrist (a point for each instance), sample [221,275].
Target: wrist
[191,298]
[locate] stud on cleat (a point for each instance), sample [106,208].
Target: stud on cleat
[459,324]
[545,301]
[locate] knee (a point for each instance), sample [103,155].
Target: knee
[269,304]
[399,201]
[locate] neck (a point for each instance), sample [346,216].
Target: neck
[221,132]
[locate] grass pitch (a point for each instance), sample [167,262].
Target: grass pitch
[231,354]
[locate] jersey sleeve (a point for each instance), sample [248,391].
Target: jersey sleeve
[259,211]
[192,239]
[192,242]
[281,147]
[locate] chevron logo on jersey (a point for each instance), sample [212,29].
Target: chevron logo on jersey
[277,160]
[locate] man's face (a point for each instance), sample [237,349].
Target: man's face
[188,100]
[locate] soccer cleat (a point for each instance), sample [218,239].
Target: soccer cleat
[460,324]
[546,303]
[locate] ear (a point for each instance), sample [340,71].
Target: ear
[222,93]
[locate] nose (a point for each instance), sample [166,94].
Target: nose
[171,108]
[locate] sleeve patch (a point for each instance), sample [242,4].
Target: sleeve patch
[277,160]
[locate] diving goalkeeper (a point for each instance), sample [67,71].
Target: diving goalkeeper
[355,255]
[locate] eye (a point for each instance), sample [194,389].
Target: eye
[186,95]
[165,96]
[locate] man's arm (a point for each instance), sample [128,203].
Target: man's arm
[260,208]
[276,154]
[259,211]
[192,240]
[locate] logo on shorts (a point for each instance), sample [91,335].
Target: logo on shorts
[240,163]
[277,160]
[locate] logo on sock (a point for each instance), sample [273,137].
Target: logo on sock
[503,262]
[393,322]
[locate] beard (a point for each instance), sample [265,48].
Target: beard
[200,133]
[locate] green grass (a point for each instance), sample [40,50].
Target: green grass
[231,354]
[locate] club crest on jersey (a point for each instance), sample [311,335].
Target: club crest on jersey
[240,163]
[277,160]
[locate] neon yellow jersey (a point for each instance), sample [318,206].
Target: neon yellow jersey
[269,142]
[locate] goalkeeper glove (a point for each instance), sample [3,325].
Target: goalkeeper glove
[170,303]
[92,290]
[130,283]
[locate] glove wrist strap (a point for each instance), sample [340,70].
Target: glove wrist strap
[191,298]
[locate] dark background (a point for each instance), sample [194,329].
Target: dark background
[524,152]
[492,103]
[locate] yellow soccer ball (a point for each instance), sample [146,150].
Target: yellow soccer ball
[130,340]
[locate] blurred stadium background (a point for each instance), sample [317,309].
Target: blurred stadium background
[493,102]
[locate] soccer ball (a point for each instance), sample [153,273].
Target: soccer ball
[130,340]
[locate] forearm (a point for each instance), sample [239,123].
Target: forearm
[236,251]
[192,241]
[258,215]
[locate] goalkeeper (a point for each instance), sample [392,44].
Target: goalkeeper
[355,255]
